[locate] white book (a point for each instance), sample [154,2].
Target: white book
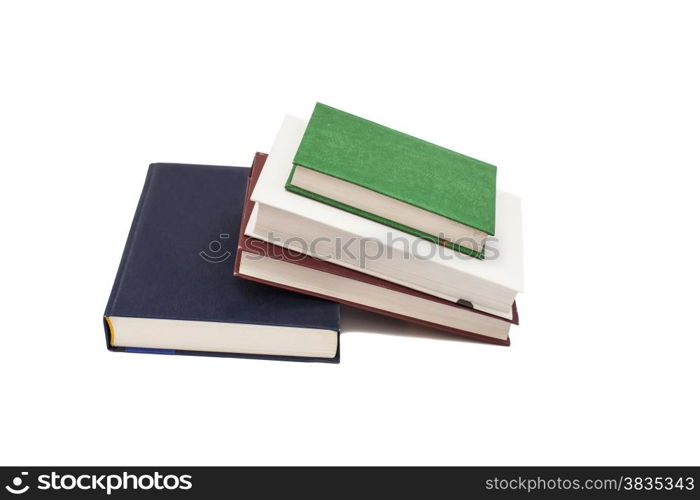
[325,232]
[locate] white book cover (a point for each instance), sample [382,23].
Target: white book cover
[432,268]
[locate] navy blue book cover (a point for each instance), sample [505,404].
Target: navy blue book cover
[179,256]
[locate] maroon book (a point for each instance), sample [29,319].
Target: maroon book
[367,287]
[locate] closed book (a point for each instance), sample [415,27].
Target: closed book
[175,292]
[267,263]
[329,233]
[396,179]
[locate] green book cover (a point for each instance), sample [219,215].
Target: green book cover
[398,166]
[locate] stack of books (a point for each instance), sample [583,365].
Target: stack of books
[341,211]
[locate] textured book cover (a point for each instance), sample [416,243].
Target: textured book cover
[179,254]
[401,167]
[259,247]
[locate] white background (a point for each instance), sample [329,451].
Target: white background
[591,111]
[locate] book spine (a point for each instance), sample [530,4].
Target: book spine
[255,167]
[126,254]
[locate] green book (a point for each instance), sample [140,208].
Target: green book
[396,179]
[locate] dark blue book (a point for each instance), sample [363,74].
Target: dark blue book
[175,292]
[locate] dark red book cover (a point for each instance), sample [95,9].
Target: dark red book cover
[260,247]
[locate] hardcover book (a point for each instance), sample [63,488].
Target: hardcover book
[328,233]
[267,263]
[396,179]
[175,293]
